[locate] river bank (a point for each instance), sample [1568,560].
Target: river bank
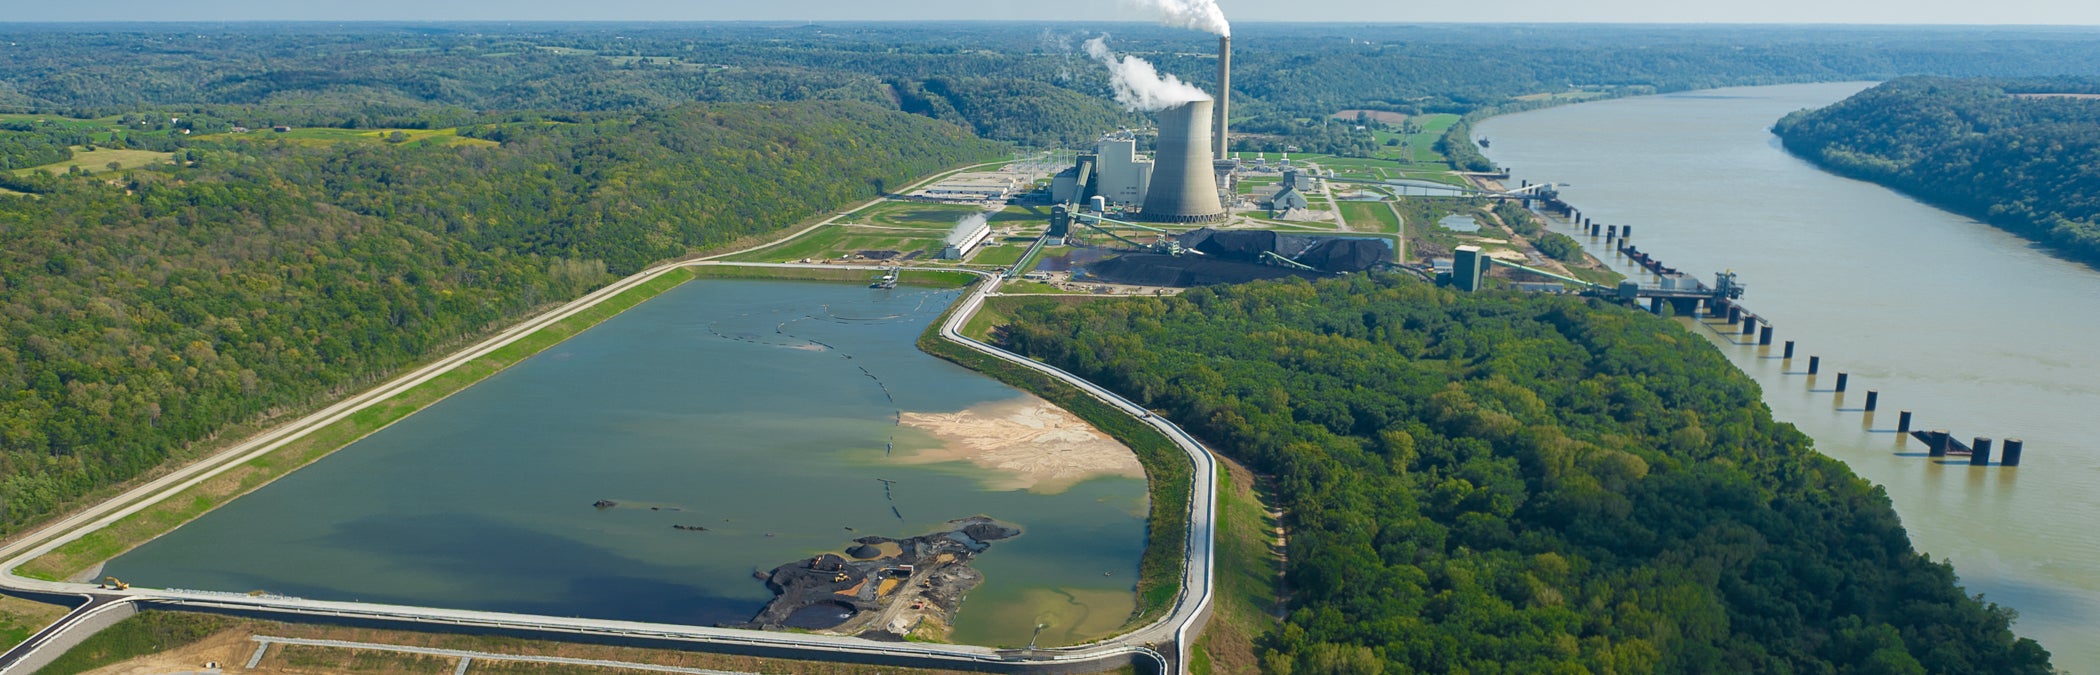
[1940,314]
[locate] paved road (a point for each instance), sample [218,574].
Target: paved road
[96,604]
[1177,629]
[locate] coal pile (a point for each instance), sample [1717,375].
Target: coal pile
[1147,269]
[1334,255]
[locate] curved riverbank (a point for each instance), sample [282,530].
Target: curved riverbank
[1960,322]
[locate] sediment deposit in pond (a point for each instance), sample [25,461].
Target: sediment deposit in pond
[1027,443]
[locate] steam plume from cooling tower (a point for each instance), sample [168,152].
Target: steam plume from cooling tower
[1138,85]
[1202,15]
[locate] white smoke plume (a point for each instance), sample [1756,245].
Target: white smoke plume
[970,222]
[1202,15]
[1138,85]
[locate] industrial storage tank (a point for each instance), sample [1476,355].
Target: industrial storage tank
[1184,188]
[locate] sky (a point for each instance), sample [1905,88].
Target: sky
[2053,12]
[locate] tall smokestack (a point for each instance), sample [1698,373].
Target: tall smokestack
[1224,138]
[1184,186]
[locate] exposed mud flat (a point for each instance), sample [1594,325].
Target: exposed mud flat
[1032,444]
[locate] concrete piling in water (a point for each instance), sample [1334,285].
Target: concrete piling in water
[1626,231]
[1814,363]
[1903,422]
[1980,451]
[1655,305]
[1938,443]
[2012,452]
[1764,336]
[1749,325]
[1789,350]
[1841,382]
[1735,315]
[1873,397]
[1611,232]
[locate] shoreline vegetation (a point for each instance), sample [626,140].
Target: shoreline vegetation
[1520,483]
[2016,154]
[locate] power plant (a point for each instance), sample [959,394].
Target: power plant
[1184,186]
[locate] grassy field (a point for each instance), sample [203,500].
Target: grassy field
[1249,570]
[1362,214]
[172,512]
[159,641]
[330,135]
[97,161]
[1003,255]
[98,123]
[20,618]
[1421,145]
[934,278]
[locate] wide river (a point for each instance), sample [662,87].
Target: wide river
[1974,329]
[761,411]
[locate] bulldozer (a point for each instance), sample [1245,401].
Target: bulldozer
[113,582]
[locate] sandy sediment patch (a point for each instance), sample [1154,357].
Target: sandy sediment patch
[1033,444]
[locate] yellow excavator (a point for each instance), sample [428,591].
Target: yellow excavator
[113,582]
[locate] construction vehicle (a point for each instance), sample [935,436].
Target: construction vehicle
[113,582]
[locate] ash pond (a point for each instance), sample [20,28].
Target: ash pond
[659,466]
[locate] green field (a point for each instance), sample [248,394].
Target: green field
[1002,256]
[1362,214]
[68,122]
[1249,568]
[98,160]
[330,135]
[1420,145]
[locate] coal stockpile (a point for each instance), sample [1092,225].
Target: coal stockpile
[1146,269]
[1328,254]
[1335,254]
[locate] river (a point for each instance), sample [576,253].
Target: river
[1976,330]
[761,411]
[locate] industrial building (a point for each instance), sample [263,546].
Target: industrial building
[972,188]
[1123,176]
[966,237]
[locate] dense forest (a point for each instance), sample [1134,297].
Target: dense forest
[144,312]
[1508,483]
[2021,154]
[1015,82]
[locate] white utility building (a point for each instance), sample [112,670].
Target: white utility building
[1123,176]
[967,235]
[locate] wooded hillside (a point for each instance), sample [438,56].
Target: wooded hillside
[1504,483]
[144,311]
[2000,151]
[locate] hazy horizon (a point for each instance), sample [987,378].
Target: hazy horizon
[1656,12]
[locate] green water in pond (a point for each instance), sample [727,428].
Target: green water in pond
[760,410]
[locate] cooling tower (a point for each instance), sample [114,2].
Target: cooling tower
[1184,184]
[1224,98]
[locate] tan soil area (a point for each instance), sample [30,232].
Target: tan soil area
[1037,446]
[230,649]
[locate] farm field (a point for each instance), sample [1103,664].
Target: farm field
[449,136]
[98,161]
